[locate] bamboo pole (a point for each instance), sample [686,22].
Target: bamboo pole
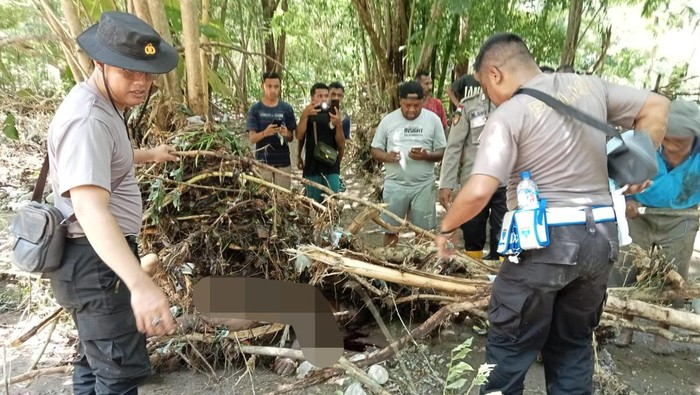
[141,10]
[156,10]
[74,27]
[436,282]
[663,315]
[654,294]
[193,66]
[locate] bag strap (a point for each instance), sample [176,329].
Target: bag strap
[41,181]
[315,134]
[559,106]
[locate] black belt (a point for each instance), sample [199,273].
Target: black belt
[131,239]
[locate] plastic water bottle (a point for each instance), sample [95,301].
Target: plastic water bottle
[527,192]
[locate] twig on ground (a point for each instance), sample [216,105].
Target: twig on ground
[43,348]
[378,318]
[423,329]
[36,328]
[41,372]
[248,367]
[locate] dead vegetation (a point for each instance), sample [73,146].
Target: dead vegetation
[212,214]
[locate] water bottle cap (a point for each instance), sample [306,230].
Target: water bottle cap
[525,175]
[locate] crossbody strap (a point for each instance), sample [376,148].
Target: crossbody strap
[41,181]
[315,134]
[559,106]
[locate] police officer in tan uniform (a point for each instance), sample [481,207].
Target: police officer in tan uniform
[549,299]
[462,144]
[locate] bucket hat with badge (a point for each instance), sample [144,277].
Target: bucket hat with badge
[123,40]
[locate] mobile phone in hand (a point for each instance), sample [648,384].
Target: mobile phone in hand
[277,122]
[335,105]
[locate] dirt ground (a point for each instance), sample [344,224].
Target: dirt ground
[424,364]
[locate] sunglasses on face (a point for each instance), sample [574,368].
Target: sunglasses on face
[137,75]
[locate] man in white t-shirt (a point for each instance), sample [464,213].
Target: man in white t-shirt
[409,141]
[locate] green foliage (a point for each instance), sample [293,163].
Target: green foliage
[9,127]
[458,372]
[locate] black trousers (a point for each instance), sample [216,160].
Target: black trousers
[474,230]
[112,355]
[550,302]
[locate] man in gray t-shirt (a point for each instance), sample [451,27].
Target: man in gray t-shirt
[409,141]
[549,299]
[92,170]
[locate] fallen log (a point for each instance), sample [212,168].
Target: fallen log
[433,281]
[654,294]
[616,321]
[663,315]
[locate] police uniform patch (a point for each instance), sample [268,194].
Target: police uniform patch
[457,115]
[149,49]
[477,118]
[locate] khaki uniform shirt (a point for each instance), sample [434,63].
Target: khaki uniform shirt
[463,140]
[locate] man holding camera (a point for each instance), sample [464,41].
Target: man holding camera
[270,124]
[320,132]
[409,141]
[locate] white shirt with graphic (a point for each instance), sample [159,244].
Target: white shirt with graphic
[397,134]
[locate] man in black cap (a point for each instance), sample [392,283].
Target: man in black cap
[464,86]
[409,142]
[100,281]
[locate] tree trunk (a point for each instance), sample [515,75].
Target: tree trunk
[193,67]
[204,57]
[604,46]
[461,66]
[447,55]
[222,22]
[269,7]
[282,41]
[156,10]
[75,28]
[67,44]
[430,37]
[571,41]
[141,11]
[386,39]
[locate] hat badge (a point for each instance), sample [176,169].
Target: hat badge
[149,49]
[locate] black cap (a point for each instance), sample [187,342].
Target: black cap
[122,40]
[412,88]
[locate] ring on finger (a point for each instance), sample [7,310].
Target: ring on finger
[156,321]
